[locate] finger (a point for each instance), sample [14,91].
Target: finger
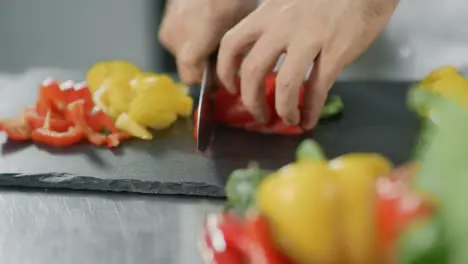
[291,76]
[260,60]
[190,63]
[233,45]
[316,89]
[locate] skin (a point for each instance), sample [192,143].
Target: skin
[325,34]
[192,29]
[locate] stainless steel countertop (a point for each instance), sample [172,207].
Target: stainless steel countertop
[40,227]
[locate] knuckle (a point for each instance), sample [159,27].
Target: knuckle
[286,84]
[250,70]
[163,37]
[228,40]
[187,60]
[189,76]
[250,101]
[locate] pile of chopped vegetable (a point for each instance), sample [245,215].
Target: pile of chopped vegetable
[356,208]
[137,100]
[64,115]
[117,102]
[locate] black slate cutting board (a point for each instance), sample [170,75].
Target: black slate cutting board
[375,120]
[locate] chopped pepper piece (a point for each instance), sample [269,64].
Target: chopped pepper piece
[80,91]
[51,97]
[58,139]
[16,129]
[58,124]
[125,123]
[98,120]
[77,114]
[114,139]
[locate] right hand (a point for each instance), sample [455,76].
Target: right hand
[192,29]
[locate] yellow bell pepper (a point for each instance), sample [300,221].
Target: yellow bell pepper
[447,82]
[299,202]
[356,189]
[322,212]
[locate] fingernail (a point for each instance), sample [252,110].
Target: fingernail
[261,116]
[309,121]
[232,87]
[292,119]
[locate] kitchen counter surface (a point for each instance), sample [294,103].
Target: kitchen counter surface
[41,227]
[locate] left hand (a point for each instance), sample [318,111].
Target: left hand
[328,34]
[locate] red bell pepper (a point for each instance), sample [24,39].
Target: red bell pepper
[51,97]
[215,248]
[258,245]
[241,241]
[396,206]
[230,111]
[98,120]
[58,139]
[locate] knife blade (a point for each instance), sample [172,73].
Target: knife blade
[205,115]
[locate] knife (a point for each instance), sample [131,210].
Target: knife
[204,95]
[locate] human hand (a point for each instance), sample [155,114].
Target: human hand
[192,29]
[328,34]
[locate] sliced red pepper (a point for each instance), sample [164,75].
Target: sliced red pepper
[98,120]
[396,206]
[16,129]
[58,139]
[114,139]
[56,123]
[80,91]
[51,97]
[76,114]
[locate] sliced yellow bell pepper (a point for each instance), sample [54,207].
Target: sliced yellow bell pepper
[137,99]
[100,71]
[125,123]
[158,101]
[119,94]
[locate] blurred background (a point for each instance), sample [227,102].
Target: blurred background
[72,35]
